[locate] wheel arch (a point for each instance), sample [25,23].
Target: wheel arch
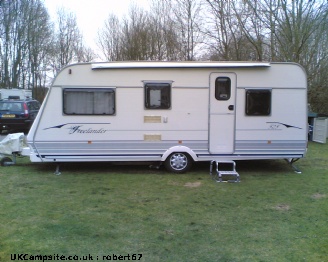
[182,149]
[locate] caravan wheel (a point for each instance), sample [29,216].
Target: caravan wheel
[5,160]
[178,162]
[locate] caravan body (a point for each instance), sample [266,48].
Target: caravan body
[15,94]
[173,112]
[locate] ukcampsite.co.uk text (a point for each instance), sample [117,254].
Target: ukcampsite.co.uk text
[57,257]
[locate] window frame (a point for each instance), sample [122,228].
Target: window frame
[90,90]
[148,86]
[268,110]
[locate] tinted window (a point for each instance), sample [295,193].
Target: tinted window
[11,106]
[157,96]
[89,101]
[258,102]
[33,105]
[222,88]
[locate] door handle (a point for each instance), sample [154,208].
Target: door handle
[231,107]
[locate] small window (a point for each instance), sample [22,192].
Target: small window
[222,88]
[84,101]
[157,96]
[33,105]
[258,102]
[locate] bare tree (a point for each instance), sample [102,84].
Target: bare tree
[24,40]
[136,29]
[69,45]
[84,54]
[225,38]
[299,21]
[109,39]
[164,37]
[13,41]
[248,13]
[39,30]
[126,39]
[141,35]
[188,22]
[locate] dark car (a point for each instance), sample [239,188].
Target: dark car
[17,115]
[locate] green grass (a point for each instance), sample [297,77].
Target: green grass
[273,214]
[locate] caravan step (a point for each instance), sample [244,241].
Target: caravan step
[224,175]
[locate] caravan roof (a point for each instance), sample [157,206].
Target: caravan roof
[149,64]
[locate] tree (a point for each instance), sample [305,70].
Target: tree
[69,45]
[109,39]
[248,14]
[154,35]
[141,35]
[188,21]
[225,38]
[13,41]
[127,39]
[39,33]
[302,37]
[135,32]
[165,45]
[24,38]
[66,39]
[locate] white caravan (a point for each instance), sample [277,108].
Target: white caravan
[173,112]
[15,94]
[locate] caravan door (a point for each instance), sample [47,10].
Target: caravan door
[222,113]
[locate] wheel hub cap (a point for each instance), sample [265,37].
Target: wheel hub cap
[178,161]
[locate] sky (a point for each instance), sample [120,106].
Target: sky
[91,14]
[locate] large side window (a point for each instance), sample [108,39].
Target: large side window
[87,101]
[157,95]
[258,102]
[223,88]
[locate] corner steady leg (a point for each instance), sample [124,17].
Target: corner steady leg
[291,162]
[57,172]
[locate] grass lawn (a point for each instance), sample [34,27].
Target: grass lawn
[101,211]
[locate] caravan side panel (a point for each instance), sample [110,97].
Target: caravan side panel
[284,130]
[133,132]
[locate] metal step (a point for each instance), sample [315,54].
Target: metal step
[230,176]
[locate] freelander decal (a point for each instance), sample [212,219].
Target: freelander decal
[82,128]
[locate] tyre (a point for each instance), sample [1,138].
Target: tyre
[5,160]
[179,162]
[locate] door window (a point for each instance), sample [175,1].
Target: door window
[222,88]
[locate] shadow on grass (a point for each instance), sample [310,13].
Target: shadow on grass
[254,167]
[99,167]
[264,166]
